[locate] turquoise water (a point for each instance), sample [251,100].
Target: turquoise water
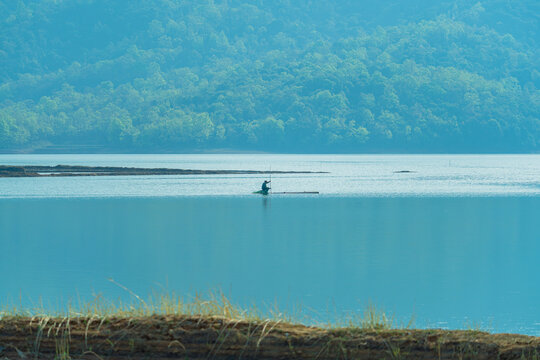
[448,254]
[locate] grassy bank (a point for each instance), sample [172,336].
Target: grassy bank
[167,326]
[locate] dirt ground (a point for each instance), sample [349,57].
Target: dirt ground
[193,337]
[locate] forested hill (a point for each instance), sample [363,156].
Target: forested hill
[271,75]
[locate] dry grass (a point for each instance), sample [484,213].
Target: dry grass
[212,326]
[215,304]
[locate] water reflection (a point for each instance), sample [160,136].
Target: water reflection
[266,202]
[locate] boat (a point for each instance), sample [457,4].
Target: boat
[268,191]
[261,192]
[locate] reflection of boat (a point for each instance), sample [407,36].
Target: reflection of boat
[261,192]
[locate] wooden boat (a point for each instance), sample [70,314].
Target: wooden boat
[260,192]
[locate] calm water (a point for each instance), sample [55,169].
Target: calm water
[452,244]
[349,175]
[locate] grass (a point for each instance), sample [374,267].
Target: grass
[371,318]
[215,304]
[249,328]
[56,324]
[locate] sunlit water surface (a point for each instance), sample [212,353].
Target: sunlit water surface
[452,244]
[348,175]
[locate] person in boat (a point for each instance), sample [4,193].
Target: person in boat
[265,188]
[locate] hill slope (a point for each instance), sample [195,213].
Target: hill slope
[345,75]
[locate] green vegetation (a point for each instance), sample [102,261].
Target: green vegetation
[325,76]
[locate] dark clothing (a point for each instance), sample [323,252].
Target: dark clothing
[265,187]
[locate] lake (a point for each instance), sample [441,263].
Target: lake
[452,243]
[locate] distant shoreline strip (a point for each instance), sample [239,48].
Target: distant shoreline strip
[73,170]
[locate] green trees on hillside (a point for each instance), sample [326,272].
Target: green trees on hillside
[284,76]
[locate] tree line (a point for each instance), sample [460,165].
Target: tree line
[343,76]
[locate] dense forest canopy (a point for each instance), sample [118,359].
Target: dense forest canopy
[280,75]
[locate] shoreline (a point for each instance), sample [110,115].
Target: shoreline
[219,337]
[167,326]
[74,170]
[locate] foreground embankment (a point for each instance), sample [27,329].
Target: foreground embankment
[211,337]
